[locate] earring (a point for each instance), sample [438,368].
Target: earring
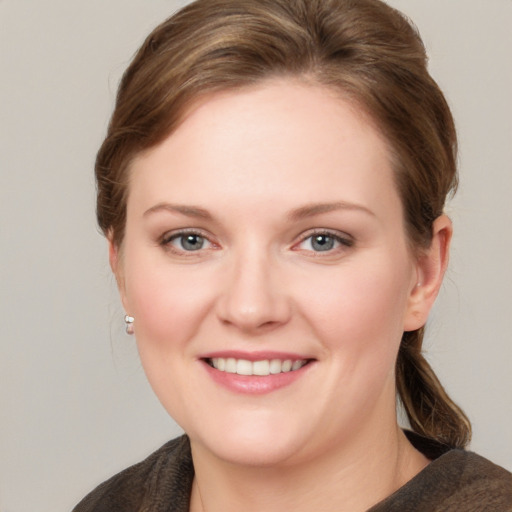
[129,323]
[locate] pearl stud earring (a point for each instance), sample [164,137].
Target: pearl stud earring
[129,323]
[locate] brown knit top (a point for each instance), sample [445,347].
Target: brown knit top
[455,481]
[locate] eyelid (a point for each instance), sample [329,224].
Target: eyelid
[166,239]
[174,233]
[342,237]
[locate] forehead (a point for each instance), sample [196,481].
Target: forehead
[276,141]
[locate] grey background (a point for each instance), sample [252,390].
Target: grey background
[74,403]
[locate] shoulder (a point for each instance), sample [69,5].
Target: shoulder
[164,477]
[456,480]
[479,484]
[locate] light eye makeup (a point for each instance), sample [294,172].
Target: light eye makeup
[186,241]
[194,242]
[324,241]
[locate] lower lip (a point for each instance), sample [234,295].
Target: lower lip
[255,384]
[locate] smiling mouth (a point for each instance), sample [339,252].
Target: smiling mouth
[262,368]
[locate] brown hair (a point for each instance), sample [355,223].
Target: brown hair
[362,48]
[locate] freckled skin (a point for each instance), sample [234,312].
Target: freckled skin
[248,159]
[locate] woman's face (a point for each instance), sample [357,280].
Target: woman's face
[265,237]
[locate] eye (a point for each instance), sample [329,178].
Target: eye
[324,242]
[191,242]
[188,241]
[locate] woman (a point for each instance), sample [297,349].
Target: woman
[272,189]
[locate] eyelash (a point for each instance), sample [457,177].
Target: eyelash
[166,240]
[344,240]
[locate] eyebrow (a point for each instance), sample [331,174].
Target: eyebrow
[189,211]
[297,214]
[311,210]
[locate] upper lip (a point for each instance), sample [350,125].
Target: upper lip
[256,356]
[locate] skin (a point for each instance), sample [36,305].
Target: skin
[243,170]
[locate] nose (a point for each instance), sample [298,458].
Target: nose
[254,298]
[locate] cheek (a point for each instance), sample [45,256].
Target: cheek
[359,308]
[165,300]
[169,308]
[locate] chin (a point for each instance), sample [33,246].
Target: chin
[243,452]
[256,444]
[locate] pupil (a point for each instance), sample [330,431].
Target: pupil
[323,243]
[192,242]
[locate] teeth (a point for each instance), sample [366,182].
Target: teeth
[263,367]
[288,365]
[230,365]
[243,367]
[260,368]
[296,365]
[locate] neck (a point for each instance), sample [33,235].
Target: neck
[353,477]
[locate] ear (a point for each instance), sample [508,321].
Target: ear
[431,266]
[115,260]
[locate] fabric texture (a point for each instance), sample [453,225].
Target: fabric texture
[455,481]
